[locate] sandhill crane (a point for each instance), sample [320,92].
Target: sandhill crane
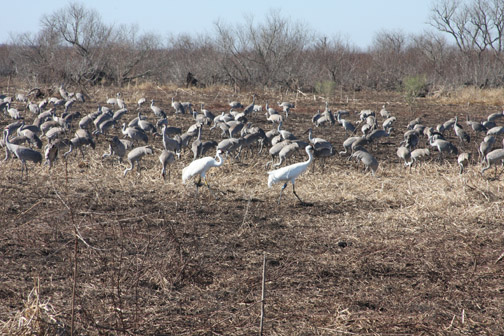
[495,130]
[135,155]
[119,114]
[347,125]
[290,173]
[377,134]
[166,158]
[140,102]
[235,105]
[51,152]
[443,146]
[476,126]
[405,154]
[104,126]
[347,144]
[459,131]
[286,152]
[69,104]
[492,158]
[158,112]
[286,106]
[485,146]
[274,118]
[315,117]
[13,113]
[230,145]
[249,139]
[80,97]
[22,153]
[418,153]
[196,144]
[135,133]
[118,147]
[286,135]
[326,117]
[388,123]
[250,108]
[367,159]
[119,101]
[170,144]
[200,167]
[384,113]
[463,161]
[33,108]
[31,136]
[495,116]
[412,123]
[177,106]
[411,139]
[82,137]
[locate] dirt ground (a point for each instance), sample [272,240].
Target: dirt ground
[400,253]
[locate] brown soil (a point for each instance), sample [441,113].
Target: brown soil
[399,253]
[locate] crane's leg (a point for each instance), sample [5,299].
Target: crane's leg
[281,191]
[132,165]
[294,191]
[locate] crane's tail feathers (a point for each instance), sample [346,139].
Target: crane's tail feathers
[185,175]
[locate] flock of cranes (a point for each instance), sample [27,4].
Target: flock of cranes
[240,136]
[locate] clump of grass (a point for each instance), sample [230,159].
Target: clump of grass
[37,317]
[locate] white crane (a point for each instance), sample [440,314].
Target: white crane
[290,173]
[200,167]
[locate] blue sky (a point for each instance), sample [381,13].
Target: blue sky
[355,21]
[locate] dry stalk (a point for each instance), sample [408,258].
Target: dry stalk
[263,295]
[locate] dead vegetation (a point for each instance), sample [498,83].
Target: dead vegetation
[400,253]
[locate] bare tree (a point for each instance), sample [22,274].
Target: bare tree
[477,28]
[83,31]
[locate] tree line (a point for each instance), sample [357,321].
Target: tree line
[75,46]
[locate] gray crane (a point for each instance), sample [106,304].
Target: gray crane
[250,108]
[443,146]
[485,146]
[135,155]
[170,144]
[22,153]
[158,112]
[405,154]
[81,138]
[177,106]
[347,125]
[166,158]
[460,132]
[463,161]
[367,159]
[135,133]
[492,158]
[418,153]
[118,148]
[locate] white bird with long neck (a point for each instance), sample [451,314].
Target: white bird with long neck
[290,173]
[200,167]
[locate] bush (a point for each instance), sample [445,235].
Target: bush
[326,88]
[414,87]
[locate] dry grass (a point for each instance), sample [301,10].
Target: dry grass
[400,253]
[472,96]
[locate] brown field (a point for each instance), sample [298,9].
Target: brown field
[402,253]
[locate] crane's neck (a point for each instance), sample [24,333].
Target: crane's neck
[220,161]
[310,155]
